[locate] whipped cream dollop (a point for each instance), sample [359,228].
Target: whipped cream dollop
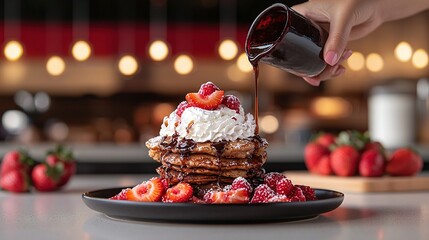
[209,125]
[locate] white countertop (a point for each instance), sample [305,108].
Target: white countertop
[63,215]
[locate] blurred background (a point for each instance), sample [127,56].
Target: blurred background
[99,76]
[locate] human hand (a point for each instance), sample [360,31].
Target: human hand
[344,20]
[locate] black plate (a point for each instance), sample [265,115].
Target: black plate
[191,212]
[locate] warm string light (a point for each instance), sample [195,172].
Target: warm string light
[55,66]
[128,65]
[228,49]
[356,61]
[158,50]
[374,62]
[420,59]
[403,51]
[81,50]
[13,50]
[183,64]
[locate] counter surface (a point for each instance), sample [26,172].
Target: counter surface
[63,215]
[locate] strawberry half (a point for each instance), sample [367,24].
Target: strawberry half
[181,192]
[209,102]
[231,196]
[147,191]
[122,195]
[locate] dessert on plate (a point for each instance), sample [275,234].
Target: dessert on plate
[209,152]
[208,139]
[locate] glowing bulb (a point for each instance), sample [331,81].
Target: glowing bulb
[356,61]
[243,63]
[55,66]
[403,51]
[228,49]
[331,107]
[420,58]
[81,50]
[183,64]
[269,124]
[128,65]
[374,62]
[13,50]
[158,50]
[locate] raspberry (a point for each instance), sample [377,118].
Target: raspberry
[308,192]
[232,102]
[279,198]
[272,178]
[208,88]
[297,195]
[263,193]
[181,107]
[284,186]
[241,182]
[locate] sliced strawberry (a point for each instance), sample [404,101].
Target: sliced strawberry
[122,195]
[181,192]
[15,181]
[197,200]
[232,102]
[147,191]
[208,88]
[231,196]
[181,107]
[209,102]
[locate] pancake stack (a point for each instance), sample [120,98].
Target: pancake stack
[207,163]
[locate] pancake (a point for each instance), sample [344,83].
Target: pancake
[241,148]
[211,162]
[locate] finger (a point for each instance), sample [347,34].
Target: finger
[328,73]
[337,40]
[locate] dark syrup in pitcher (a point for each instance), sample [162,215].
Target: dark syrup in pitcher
[283,38]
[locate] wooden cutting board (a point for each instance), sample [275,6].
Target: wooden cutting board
[361,184]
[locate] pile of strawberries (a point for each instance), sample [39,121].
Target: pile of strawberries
[208,97]
[275,188]
[18,171]
[352,153]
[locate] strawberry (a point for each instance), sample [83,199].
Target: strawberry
[374,145]
[284,186]
[237,196]
[197,200]
[122,195]
[15,181]
[272,178]
[262,194]
[404,162]
[45,177]
[325,139]
[232,102]
[356,139]
[313,152]
[241,183]
[344,160]
[63,156]
[207,89]
[181,107]
[372,163]
[209,102]
[181,192]
[147,191]
[324,166]
[16,160]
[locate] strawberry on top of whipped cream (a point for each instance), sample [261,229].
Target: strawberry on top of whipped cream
[209,115]
[200,125]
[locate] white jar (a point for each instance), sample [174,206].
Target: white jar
[392,114]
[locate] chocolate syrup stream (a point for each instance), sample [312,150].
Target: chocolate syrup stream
[256,103]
